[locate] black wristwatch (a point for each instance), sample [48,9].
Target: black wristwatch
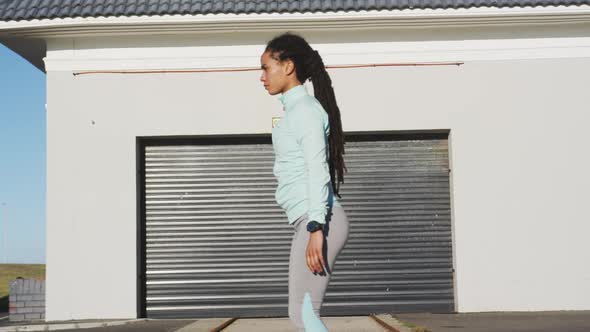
[313,226]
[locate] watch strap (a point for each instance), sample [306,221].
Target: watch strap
[313,226]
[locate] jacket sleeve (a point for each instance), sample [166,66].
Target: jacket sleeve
[308,126]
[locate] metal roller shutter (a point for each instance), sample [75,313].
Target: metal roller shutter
[217,245]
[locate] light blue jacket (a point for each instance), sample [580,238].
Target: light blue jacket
[300,143]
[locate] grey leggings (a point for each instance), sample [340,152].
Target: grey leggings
[306,289]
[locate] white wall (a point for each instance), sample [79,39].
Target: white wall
[518,148]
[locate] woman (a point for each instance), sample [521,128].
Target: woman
[308,145]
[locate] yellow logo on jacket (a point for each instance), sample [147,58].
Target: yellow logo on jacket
[275,120]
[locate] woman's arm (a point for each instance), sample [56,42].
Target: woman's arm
[309,131]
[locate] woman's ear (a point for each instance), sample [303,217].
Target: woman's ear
[289,67]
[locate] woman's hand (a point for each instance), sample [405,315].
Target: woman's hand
[315,258]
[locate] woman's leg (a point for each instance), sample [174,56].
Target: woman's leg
[306,289]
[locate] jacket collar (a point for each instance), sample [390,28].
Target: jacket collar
[290,96]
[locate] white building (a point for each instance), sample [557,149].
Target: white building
[467,152]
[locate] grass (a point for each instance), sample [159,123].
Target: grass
[420,329]
[414,327]
[9,272]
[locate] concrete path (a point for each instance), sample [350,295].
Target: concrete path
[334,324]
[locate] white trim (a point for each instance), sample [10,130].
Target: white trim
[227,62]
[70,27]
[427,47]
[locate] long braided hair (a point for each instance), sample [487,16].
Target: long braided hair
[309,65]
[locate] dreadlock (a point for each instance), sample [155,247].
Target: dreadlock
[309,65]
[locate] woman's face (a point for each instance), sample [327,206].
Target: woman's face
[274,75]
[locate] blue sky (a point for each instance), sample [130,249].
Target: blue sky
[22,160]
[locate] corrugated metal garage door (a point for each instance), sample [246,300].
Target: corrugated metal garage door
[217,245]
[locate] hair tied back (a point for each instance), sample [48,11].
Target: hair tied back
[317,65]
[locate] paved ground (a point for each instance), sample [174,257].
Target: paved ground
[166,325]
[546,321]
[334,324]
[163,325]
